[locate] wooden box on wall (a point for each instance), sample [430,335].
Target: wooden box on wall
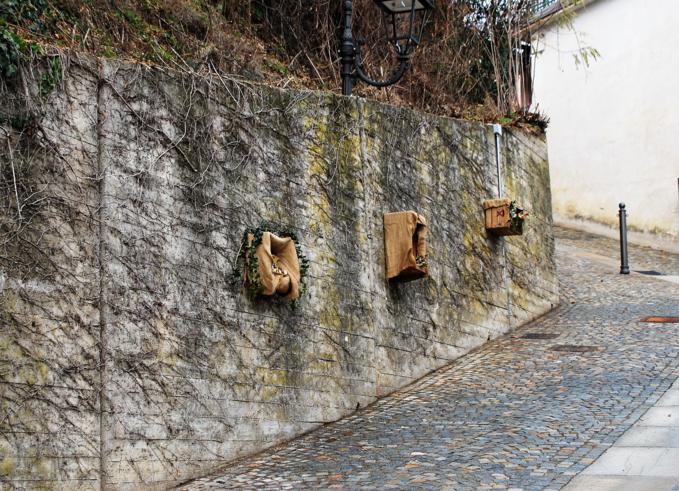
[498,217]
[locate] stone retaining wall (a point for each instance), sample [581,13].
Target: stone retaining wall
[128,351]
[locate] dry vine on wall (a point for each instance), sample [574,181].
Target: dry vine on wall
[49,322]
[134,187]
[467,65]
[61,256]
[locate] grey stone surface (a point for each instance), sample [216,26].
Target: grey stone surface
[671,398]
[645,436]
[513,414]
[49,306]
[127,349]
[623,483]
[661,416]
[638,461]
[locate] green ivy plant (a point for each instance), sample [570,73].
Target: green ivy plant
[516,217]
[20,11]
[13,48]
[51,77]
[246,262]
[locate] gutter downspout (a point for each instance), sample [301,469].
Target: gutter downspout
[497,131]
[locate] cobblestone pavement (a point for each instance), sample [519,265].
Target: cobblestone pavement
[515,413]
[640,258]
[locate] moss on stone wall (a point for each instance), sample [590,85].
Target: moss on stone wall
[191,365]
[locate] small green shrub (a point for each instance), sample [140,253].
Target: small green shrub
[12,46]
[51,77]
[132,17]
[20,11]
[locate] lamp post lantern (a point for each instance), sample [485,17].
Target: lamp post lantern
[404,22]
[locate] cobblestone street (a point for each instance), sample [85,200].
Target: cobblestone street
[524,411]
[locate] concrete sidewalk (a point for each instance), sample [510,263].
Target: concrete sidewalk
[645,458]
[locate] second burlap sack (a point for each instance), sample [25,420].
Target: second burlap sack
[405,240]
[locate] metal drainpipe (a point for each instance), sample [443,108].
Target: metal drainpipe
[497,130]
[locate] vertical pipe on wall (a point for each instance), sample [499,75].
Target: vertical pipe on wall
[497,130]
[103,94]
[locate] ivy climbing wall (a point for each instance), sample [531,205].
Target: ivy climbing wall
[130,356]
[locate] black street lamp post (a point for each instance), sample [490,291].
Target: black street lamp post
[401,18]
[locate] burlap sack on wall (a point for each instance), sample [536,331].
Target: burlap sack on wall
[405,239]
[279,271]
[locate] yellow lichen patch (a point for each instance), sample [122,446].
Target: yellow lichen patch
[361,235]
[10,350]
[7,466]
[274,381]
[323,361]
[511,190]
[268,393]
[45,469]
[478,309]
[329,315]
[272,376]
[34,373]
[469,238]
[421,169]
[271,324]
[27,376]
[42,371]
[327,151]
[358,186]
[319,204]
[520,298]
[22,365]
[8,302]
[433,291]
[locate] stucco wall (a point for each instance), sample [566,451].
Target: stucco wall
[612,135]
[130,352]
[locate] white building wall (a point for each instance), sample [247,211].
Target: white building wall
[614,130]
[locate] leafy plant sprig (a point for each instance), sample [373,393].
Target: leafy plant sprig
[516,216]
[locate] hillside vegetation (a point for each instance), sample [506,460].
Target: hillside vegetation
[463,68]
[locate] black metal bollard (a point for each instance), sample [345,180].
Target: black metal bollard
[624,265]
